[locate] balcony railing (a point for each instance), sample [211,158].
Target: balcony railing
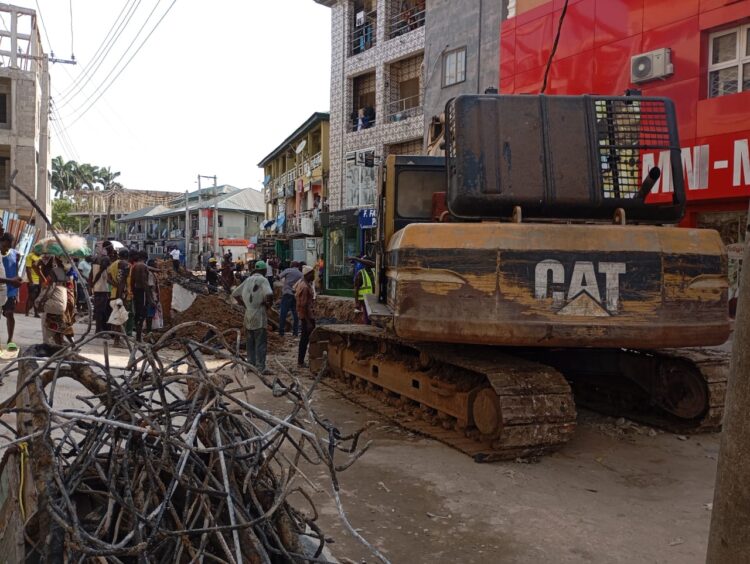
[306,222]
[405,108]
[364,35]
[366,124]
[407,20]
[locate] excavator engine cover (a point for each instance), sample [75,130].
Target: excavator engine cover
[563,157]
[551,285]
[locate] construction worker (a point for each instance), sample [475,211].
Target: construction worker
[255,295]
[363,285]
[212,273]
[304,298]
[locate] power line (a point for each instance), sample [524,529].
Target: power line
[110,36]
[63,142]
[164,15]
[61,129]
[65,139]
[44,27]
[122,56]
[102,51]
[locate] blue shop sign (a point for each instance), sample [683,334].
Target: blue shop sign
[368,219]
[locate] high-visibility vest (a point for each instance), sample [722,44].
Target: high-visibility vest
[366,287]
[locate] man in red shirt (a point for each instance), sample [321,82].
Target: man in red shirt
[303,292]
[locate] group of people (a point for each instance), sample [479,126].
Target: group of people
[55,291]
[126,292]
[255,293]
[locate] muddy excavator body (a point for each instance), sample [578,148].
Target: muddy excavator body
[531,257]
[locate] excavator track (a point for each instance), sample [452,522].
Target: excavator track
[679,390]
[487,404]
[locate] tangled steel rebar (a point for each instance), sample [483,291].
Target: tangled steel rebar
[166,459]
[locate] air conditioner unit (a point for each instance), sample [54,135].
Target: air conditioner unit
[651,66]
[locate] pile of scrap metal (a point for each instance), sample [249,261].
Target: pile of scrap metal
[163,458]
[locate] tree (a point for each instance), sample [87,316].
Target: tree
[106,178]
[61,218]
[87,177]
[63,176]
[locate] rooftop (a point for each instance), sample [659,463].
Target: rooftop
[150,211]
[246,200]
[312,121]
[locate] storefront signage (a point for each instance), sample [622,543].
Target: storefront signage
[714,167]
[346,218]
[368,218]
[233,242]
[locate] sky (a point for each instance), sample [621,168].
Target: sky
[212,91]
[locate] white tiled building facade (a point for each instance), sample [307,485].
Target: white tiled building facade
[390,46]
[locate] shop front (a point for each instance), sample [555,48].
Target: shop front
[340,240]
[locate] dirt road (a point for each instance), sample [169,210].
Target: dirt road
[615,493]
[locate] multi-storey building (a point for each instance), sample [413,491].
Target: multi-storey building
[24,111]
[461,51]
[377,91]
[695,52]
[295,185]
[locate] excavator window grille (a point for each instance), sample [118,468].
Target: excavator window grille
[625,130]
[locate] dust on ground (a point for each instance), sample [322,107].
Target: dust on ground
[618,492]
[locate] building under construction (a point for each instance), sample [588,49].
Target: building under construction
[24,112]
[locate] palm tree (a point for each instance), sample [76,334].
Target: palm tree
[106,178]
[86,176]
[63,176]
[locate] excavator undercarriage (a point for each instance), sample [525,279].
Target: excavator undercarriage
[498,404]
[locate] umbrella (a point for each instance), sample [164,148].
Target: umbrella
[75,246]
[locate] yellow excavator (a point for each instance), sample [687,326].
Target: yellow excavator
[532,262]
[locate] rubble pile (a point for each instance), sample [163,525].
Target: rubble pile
[168,460]
[340,310]
[216,310]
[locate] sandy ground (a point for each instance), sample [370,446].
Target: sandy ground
[618,492]
[615,493]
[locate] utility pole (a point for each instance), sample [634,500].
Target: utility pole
[187,231]
[729,537]
[216,219]
[215,213]
[200,221]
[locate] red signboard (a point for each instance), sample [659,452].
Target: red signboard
[598,39]
[233,242]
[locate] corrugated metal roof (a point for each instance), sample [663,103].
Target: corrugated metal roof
[242,200]
[150,211]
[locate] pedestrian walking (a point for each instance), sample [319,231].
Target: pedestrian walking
[155,315]
[13,281]
[289,277]
[304,297]
[34,279]
[117,274]
[99,284]
[175,254]
[139,290]
[58,301]
[255,295]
